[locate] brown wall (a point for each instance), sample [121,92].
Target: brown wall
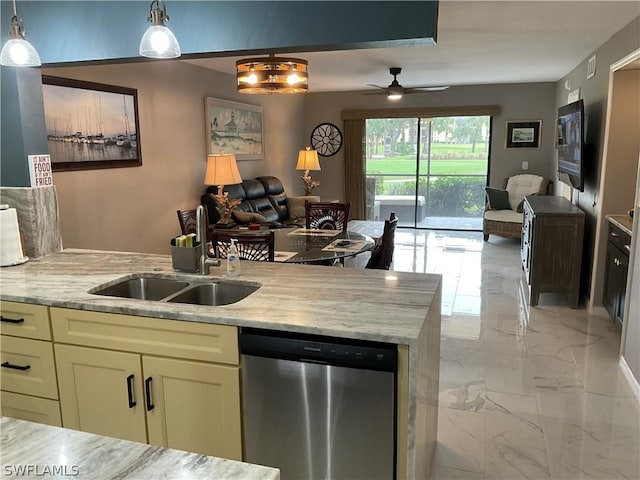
[134,209]
[529,101]
[594,92]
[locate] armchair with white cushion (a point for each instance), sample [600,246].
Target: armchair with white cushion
[503,218]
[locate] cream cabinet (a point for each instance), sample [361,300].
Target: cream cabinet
[27,372]
[166,382]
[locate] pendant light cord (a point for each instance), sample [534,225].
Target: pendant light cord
[15,11]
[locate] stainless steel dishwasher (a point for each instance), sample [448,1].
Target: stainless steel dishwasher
[319,407]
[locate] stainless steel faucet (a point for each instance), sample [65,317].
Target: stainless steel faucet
[205,262]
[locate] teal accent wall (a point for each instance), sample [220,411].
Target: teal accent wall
[84,32]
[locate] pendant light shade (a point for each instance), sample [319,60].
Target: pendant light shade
[272,75]
[158,41]
[17,52]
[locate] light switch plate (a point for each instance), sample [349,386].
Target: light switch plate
[525,165]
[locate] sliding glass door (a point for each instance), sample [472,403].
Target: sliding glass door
[431,172]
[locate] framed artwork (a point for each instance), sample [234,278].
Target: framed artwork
[90,125]
[523,134]
[234,127]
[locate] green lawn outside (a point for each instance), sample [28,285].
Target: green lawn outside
[438,167]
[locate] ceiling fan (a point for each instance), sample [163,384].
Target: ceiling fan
[395,91]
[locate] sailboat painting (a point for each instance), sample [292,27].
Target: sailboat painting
[90,125]
[234,127]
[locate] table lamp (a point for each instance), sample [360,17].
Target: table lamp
[222,170]
[308,160]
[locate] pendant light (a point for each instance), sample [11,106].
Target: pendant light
[158,41]
[17,52]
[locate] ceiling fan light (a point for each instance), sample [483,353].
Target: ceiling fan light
[394,96]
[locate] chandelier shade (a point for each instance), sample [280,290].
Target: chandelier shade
[272,75]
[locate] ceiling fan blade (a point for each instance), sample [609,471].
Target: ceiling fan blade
[378,92]
[377,86]
[425,89]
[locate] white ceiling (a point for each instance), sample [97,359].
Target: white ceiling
[479,42]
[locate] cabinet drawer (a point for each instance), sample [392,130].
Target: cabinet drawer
[39,378]
[32,409]
[25,320]
[168,338]
[619,238]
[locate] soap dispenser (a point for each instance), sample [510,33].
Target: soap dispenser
[233,260]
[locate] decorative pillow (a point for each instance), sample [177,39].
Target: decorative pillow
[248,217]
[497,199]
[520,206]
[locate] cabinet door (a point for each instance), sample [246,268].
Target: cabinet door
[98,390]
[611,288]
[623,270]
[196,406]
[32,409]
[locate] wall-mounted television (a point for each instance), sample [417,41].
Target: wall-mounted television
[570,144]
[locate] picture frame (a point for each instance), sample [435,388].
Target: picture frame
[91,125]
[523,134]
[234,127]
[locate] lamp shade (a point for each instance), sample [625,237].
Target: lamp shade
[222,169]
[308,160]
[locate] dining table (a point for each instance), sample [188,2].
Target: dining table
[302,245]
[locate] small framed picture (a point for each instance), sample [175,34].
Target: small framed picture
[523,134]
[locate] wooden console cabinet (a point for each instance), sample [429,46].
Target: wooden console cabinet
[551,250]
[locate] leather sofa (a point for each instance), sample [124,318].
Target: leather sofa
[262,195]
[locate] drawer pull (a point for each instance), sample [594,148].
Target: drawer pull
[132,402]
[12,320]
[15,367]
[147,391]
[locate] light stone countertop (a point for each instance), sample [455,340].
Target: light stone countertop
[42,451]
[343,302]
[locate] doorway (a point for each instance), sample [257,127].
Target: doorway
[431,172]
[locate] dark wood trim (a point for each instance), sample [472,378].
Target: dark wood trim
[420,112]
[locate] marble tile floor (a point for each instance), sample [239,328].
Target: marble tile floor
[525,392]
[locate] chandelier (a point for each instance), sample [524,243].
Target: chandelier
[272,75]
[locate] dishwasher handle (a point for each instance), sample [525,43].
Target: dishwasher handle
[318,349]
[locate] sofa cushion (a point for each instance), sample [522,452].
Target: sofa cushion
[248,217]
[510,216]
[264,207]
[497,199]
[519,186]
[296,205]
[272,185]
[253,188]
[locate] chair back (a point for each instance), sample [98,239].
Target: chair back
[382,256]
[251,246]
[327,215]
[187,219]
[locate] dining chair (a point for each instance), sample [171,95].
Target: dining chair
[327,215]
[251,246]
[187,219]
[382,255]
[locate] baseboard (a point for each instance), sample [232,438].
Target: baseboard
[631,380]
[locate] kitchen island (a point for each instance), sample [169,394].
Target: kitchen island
[391,307]
[33,450]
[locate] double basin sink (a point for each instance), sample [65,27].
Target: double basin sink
[147,286]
